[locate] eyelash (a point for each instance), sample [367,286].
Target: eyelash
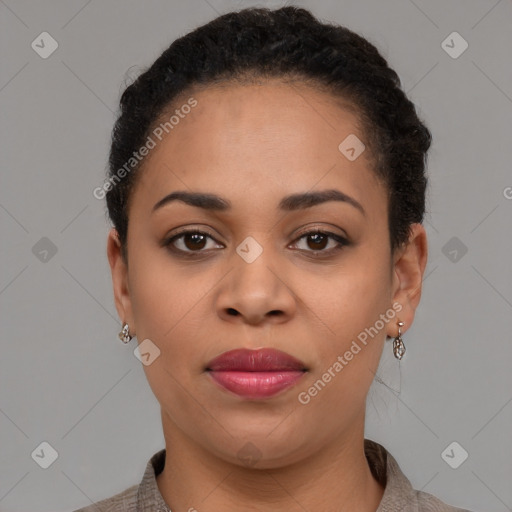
[342,242]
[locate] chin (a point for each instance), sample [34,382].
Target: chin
[259,450]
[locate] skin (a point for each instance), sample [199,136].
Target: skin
[253,145]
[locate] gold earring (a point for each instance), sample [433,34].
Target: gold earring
[398,344]
[125,335]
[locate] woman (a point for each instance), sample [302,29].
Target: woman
[267,191]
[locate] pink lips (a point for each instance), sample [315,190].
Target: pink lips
[255,374]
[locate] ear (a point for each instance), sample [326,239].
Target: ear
[408,269]
[119,271]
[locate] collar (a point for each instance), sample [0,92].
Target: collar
[398,491]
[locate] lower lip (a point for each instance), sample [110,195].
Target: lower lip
[256,385]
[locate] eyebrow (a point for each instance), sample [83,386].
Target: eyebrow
[289,203]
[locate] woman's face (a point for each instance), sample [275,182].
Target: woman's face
[255,281]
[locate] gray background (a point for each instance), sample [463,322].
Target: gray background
[66,379]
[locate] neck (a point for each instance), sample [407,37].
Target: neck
[336,478]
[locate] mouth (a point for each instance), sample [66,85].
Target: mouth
[255,374]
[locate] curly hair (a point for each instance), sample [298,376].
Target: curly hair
[287,43]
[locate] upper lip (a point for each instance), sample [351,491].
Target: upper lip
[260,360]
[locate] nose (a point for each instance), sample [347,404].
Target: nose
[255,293]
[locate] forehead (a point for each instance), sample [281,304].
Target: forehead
[255,142]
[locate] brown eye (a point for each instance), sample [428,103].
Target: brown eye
[318,242]
[190,241]
[194,241]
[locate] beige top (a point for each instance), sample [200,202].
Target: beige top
[398,493]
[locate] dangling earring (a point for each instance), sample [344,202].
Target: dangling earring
[398,344]
[125,335]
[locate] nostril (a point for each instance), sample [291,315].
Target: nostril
[232,312]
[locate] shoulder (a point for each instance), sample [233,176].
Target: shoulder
[429,503]
[125,501]
[399,494]
[142,496]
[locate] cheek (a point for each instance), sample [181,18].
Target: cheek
[166,307]
[350,307]
[162,293]
[351,299]
[171,308]
[348,357]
